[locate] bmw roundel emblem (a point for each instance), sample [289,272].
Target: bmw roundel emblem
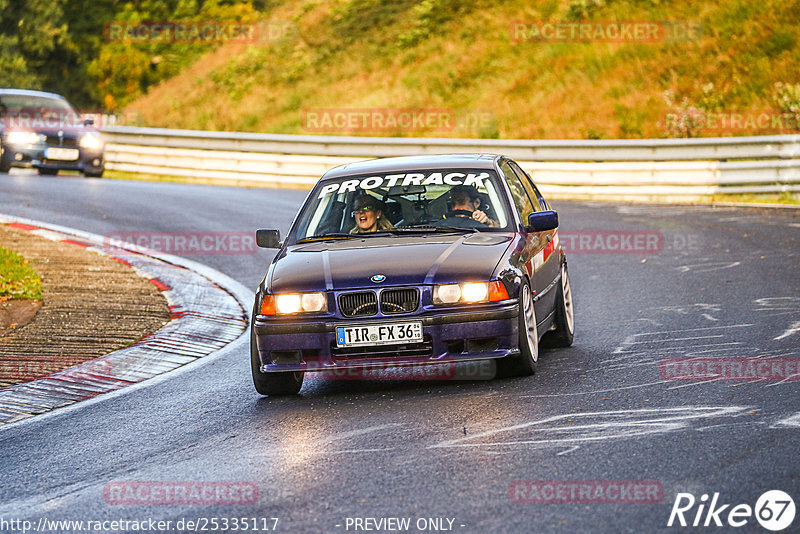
[378,278]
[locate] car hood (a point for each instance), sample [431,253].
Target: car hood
[403,260]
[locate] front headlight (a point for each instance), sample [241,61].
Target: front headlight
[24,138]
[288,303]
[91,141]
[470,292]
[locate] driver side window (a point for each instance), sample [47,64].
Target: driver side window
[533,194]
[520,197]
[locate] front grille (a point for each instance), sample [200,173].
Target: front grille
[70,142]
[395,301]
[359,304]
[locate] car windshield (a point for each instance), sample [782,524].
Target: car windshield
[33,111]
[437,200]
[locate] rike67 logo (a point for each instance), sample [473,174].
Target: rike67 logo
[774,511]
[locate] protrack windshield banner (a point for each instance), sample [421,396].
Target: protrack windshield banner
[404,180]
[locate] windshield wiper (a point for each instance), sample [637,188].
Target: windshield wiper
[426,229]
[325,237]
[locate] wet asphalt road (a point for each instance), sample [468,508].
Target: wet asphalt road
[722,283]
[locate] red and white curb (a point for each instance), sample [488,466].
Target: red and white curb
[209,312]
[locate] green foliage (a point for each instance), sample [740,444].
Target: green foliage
[17,279]
[779,42]
[583,9]
[428,16]
[440,54]
[787,96]
[63,46]
[30,31]
[631,121]
[125,68]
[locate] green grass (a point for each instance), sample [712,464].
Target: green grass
[443,54]
[17,279]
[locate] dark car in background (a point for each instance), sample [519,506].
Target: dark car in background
[412,261]
[43,131]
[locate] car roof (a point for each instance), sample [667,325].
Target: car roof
[410,163]
[28,92]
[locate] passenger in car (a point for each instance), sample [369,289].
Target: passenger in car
[465,211]
[369,217]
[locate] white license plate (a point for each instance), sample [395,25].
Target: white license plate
[378,334]
[62,154]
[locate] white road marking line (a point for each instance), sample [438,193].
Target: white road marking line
[789,379]
[793,329]
[624,424]
[707,267]
[673,339]
[713,345]
[650,321]
[729,425]
[778,304]
[694,383]
[575,448]
[713,350]
[595,391]
[742,325]
[793,421]
[348,451]
[625,343]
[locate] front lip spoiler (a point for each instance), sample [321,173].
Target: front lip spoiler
[505,311]
[387,363]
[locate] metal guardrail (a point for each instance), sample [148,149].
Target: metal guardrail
[612,168]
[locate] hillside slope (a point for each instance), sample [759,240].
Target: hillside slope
[482,66]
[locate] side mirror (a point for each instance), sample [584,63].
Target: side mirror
[268,238]
[541,221]
[88,122]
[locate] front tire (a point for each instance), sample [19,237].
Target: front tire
[288,383]
[47,172]
[528,360]
[93,174]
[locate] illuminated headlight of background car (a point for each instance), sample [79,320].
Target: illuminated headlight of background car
[470,293]
[91,142]
[289,303]
[24,138]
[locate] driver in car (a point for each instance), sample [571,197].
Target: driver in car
[368,213]
[465,212]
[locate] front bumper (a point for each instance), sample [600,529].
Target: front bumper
[448,336]
[33,156]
